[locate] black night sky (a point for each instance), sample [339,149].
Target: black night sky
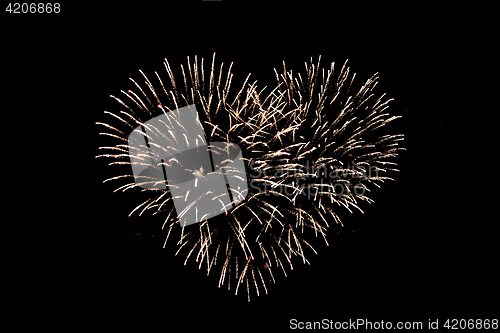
[419,252]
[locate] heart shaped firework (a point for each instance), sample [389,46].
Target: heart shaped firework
[311,145]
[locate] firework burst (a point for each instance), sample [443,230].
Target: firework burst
[310,146]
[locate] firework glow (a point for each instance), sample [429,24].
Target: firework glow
[311,144]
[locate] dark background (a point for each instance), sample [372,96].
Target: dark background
[421,251]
